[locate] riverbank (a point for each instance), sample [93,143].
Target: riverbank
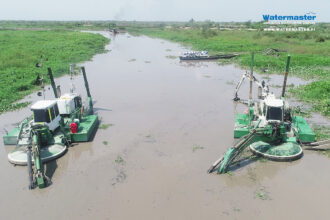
[310,57]
[21,50]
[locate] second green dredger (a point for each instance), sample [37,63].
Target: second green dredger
[269,127]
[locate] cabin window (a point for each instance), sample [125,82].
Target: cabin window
[41,115]
[56,110]
[274,113]
[77,102]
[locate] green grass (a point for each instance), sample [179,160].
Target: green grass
[310,57]
[21,50]
[317,94]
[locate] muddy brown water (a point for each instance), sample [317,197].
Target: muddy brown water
[170,122]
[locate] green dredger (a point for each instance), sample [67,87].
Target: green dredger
[269,127]
[53,126]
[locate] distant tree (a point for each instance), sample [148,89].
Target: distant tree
[209,23]
[248,24]
[162,25]
[190,23]
[206,29]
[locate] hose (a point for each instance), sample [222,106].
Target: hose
[29,165]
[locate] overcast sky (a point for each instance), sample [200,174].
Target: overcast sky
[159,10]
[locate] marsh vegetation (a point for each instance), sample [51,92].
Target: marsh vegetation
[22,49]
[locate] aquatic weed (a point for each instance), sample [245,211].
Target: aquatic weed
[326,153]
[231,82]
[105,126]
[171,57]
[236,209]
[316,94]
[275,86]
[301,111]
[321,132]
[262,160]
[262,194]
[197,147]
[119,160]
[13,107]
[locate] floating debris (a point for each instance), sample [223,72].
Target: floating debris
[171,57]
[105,126]
[197,147]
[262,194]
[119,160]
[204,55]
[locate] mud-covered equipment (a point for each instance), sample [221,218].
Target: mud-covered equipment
[235,151]
[273,149]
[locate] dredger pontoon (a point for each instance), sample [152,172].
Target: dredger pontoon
[53,126]
[269,127]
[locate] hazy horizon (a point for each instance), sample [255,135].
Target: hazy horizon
[159,10]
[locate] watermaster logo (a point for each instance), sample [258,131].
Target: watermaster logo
[308,18]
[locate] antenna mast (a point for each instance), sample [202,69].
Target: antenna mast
[42,76]
[72,88]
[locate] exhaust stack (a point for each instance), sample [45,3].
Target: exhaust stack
[286,75]
[52,82]
[251,78]
[90,102]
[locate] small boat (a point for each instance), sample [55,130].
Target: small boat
[203,55]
